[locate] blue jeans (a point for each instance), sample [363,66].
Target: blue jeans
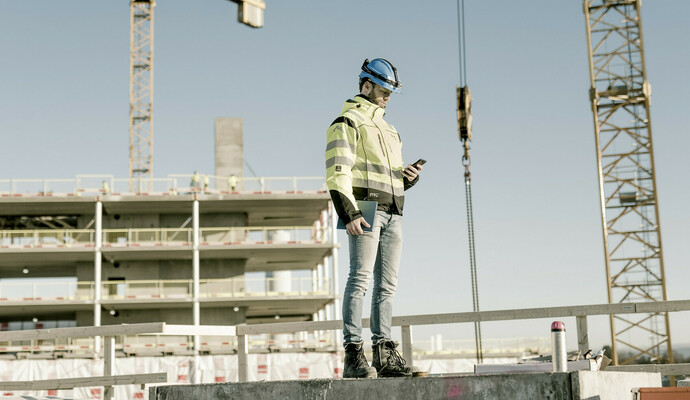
[377,254]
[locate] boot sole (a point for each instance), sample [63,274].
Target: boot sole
[371,375]
[385,375]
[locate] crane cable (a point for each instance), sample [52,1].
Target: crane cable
[465,122]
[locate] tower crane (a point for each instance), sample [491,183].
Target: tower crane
[250,13]
[620,98]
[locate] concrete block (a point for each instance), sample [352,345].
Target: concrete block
[610,385]
[683,382]
[580,385]
[555,387]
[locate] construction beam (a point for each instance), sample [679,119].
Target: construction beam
[70,383]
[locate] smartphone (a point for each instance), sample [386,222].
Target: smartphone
[421,161]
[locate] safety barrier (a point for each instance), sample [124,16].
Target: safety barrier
[491,346]
[174,184]
[238,287]
[47,238]
[108,333]
[45,290]
[244,332]
[166,344]
[133,237]
[406,322]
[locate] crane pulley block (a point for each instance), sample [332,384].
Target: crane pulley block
[464,113]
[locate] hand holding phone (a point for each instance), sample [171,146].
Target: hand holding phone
[417,165]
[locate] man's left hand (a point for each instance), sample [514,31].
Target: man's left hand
[412,171]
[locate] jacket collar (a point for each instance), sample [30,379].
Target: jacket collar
[364,106]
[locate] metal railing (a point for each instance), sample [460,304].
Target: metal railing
[144,236]
[162,236]
[46,290]
[244,332]
[108,333]
[237,287]
[167,344]
[47,237]
[174,184]
[518,345]
[406,322]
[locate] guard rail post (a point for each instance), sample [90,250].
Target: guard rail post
[108,361]
[407,343]
[582,334]
[242,357]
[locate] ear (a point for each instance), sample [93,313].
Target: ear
[367,88]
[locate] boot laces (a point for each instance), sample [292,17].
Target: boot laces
[394,357]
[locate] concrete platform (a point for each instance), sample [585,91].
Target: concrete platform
[580,385]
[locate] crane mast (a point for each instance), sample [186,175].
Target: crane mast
[620,98]
[141,95]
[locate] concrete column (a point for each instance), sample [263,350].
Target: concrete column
[319,273]
[333,222]
[242,358]
[97,271]
[195,269]
[229,146]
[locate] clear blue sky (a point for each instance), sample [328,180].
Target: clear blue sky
[64,111]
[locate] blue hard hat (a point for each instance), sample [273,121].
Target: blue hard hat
[382,73]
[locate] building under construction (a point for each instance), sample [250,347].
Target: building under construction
[197,249]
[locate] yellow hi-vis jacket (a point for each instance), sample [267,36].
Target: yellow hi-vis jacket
[364,160]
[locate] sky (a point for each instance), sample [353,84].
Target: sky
[64,110]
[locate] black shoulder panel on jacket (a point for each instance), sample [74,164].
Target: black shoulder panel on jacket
[346,120]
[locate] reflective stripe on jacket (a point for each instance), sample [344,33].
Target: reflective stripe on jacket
[364,160]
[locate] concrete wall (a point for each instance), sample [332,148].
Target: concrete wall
[222,316]
[162,269]
[124,221]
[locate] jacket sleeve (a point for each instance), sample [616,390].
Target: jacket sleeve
[408,183]
[341,148]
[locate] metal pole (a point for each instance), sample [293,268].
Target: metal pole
[195,287]
[195,269]
[97,272]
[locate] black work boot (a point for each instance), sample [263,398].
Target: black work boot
[356,365]
[387,361]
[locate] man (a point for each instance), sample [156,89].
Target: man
[364,162]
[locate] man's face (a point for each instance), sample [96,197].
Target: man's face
[378,94]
